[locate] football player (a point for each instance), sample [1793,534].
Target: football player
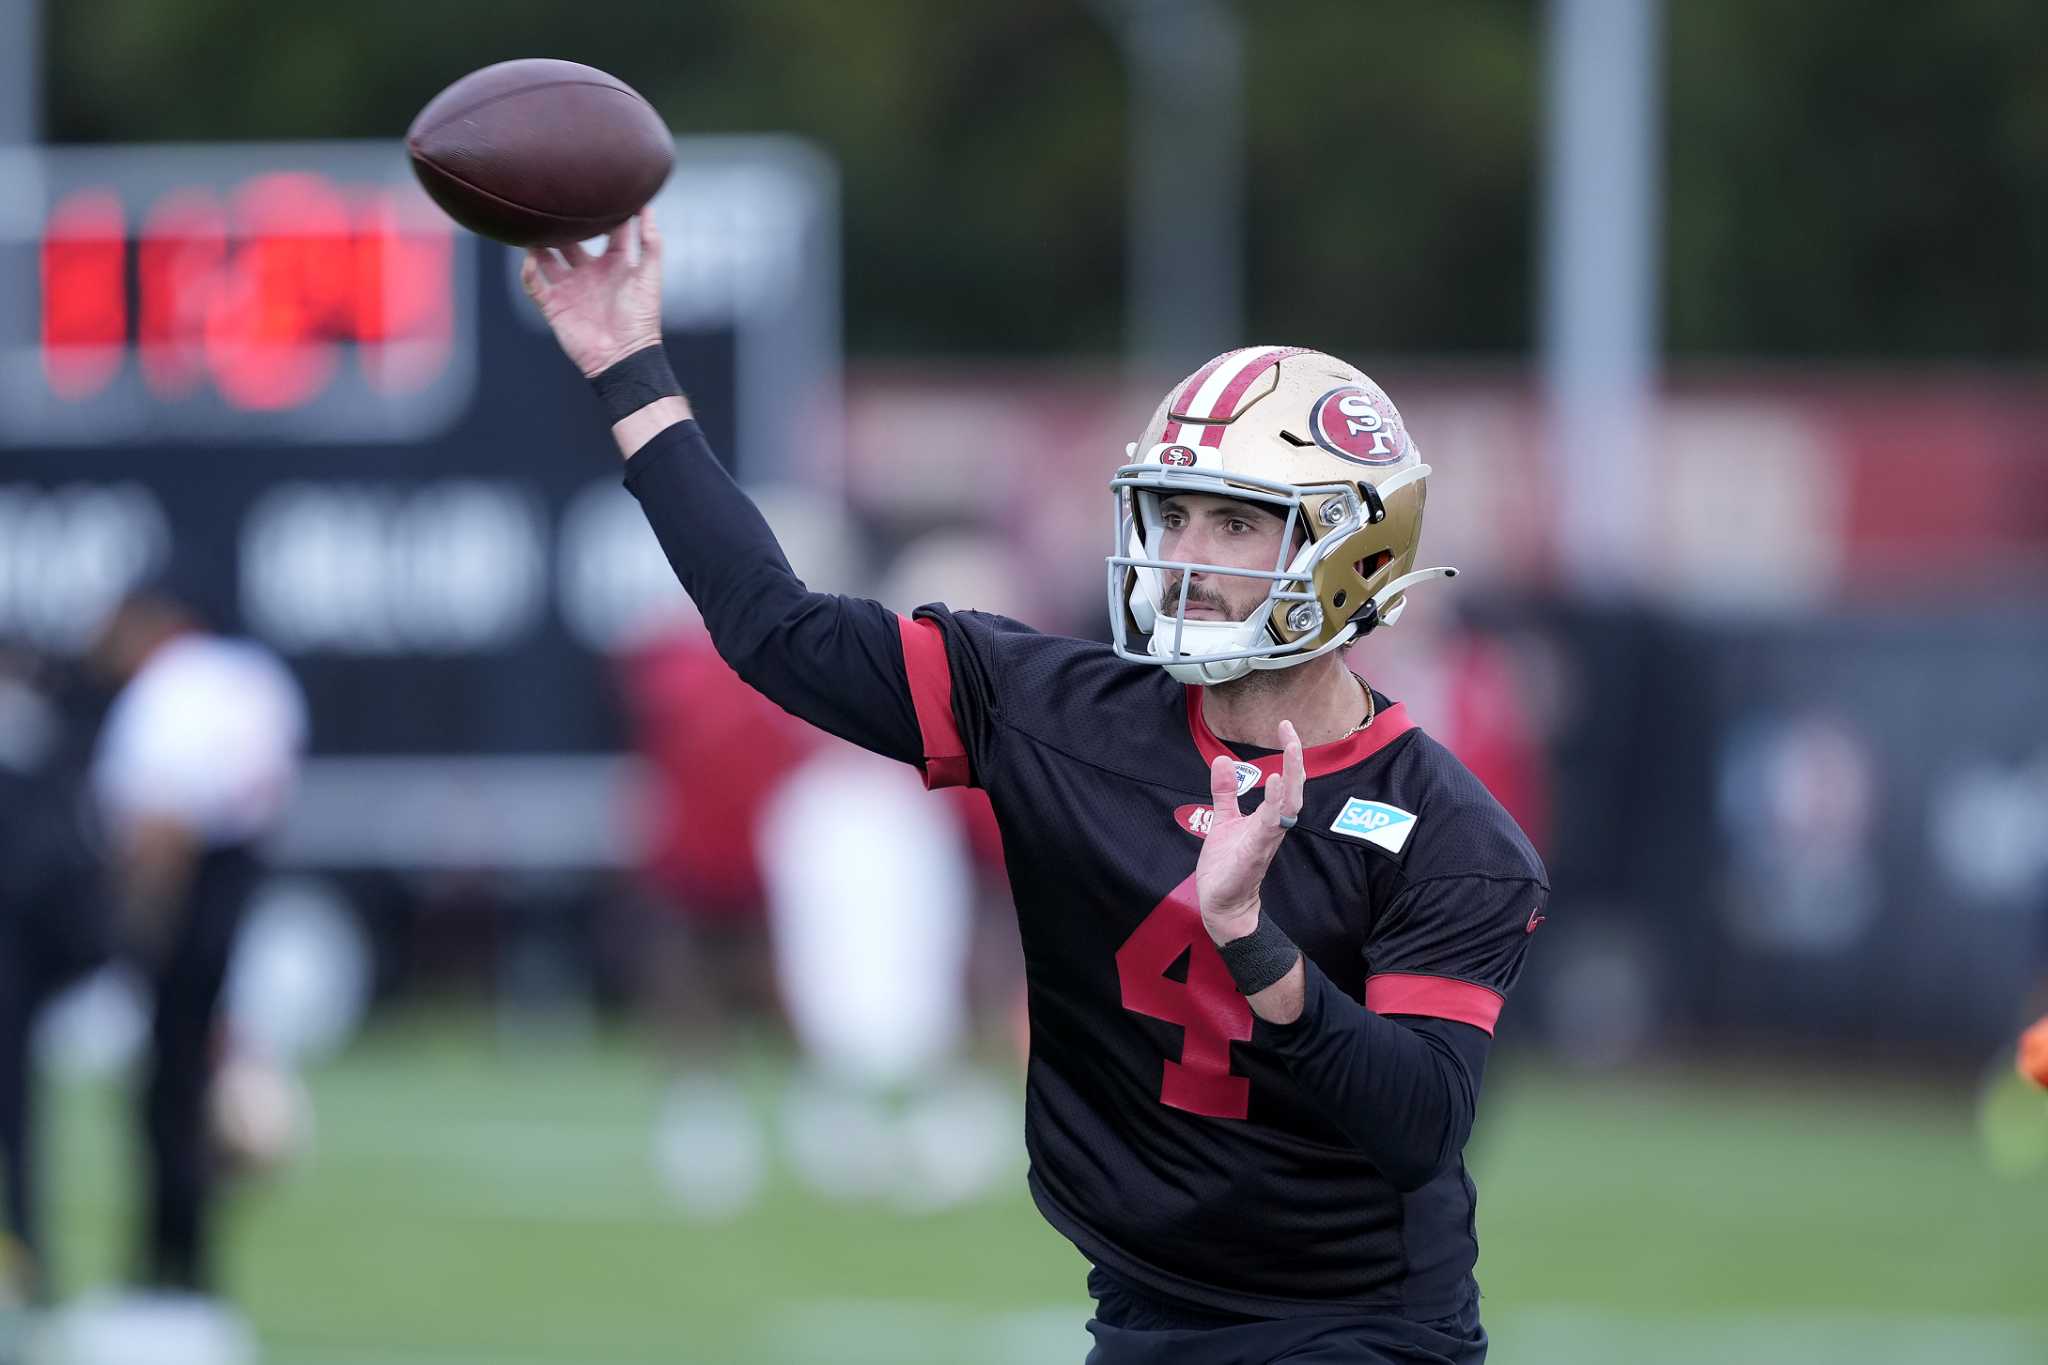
[193,771]
[1268,923]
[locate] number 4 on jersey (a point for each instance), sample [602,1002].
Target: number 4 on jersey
[1206,1005]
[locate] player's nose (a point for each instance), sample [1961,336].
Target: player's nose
[1196,545]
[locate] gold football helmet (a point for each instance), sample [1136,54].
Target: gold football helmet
[1292,429]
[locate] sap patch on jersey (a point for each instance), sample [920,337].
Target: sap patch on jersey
[1376,822]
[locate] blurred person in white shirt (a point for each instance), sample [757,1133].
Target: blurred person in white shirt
[195,768]
[872,895]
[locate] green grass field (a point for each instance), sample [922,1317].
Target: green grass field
[470,1202]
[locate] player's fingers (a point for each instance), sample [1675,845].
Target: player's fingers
[1223,787]
[1294,766]
[548,264]
[650,239]
[1283,789]
[539,271]
[575,255]
[1273,810]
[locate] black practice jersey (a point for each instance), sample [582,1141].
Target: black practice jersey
[1179,1141]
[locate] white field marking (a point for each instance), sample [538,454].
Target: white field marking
[561,1173]
[506,1142]
[567,1172]
[818,1332]
[857,1331]
[1562,1332]
[914,1332]
[274,1354]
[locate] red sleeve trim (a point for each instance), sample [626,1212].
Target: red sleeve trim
[931,692]
[1438,997]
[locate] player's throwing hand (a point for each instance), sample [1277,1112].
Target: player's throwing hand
[602,308]
[1240,847]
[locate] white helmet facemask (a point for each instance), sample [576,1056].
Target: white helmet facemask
[1205,653]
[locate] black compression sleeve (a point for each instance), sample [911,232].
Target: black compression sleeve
[1403,1090]
[837,662]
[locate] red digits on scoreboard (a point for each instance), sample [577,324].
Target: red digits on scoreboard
[85,292]
[1206,1005]
[375,300]
[258,296]
[182,255]
[270,330]
[404,313]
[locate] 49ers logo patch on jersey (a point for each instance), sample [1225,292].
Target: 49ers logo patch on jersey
[1376,822]
[1196,820]
[1350,422]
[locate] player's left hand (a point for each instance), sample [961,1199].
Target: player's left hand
[1240,847]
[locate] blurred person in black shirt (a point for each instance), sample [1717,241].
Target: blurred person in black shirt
[1257,1035]
[194,767]
[53,927]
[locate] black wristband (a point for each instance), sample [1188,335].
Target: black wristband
[1261,957]
[626,386]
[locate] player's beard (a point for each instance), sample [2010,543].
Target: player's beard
[1169,600]
[1250,684]
[1255,682]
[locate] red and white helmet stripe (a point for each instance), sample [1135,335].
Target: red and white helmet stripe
[1212,393]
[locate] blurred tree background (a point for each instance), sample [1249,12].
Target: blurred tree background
[1844,179]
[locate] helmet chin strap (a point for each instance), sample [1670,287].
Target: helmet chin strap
[1208,675]
[1215,637]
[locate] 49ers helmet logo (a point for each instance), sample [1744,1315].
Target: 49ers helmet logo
[1349,422]
[1179,455]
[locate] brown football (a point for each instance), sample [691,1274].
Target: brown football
[539,152]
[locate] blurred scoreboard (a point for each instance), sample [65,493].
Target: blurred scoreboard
[289,295]
[277,374]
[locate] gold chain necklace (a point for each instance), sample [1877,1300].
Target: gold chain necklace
[1368,711]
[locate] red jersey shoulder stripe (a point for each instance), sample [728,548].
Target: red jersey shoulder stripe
[930,675]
